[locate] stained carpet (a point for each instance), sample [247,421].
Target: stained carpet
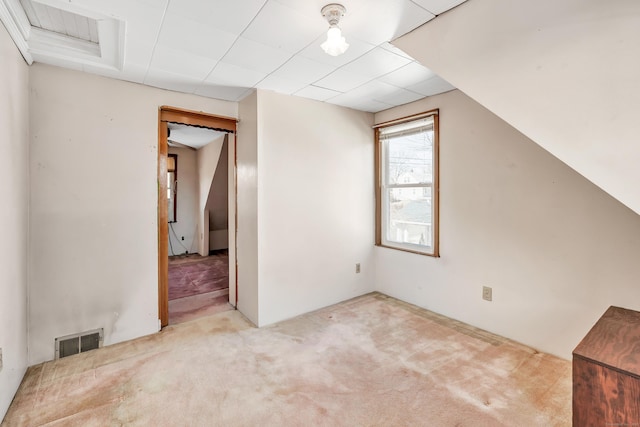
[370,361]
[195,274]
[198,286]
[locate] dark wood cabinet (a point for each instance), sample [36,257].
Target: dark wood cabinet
[606,372]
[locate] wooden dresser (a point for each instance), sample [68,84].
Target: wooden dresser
[606,372]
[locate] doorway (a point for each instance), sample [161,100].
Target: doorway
[190,241]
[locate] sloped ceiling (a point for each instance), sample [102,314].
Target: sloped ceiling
[563,73]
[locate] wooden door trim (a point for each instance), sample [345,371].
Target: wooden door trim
[163,226]
[195,118]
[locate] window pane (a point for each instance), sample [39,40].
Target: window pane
[407,184]
[409,216]
[410,158]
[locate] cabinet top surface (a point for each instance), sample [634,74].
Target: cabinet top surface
[614,341]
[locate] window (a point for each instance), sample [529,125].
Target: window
[407,184]
[172,186]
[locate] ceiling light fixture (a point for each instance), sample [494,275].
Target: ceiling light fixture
[335,44]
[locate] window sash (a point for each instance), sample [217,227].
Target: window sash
[392,236]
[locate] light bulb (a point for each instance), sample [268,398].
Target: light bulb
[335,44]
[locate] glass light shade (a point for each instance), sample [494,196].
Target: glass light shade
[335,44]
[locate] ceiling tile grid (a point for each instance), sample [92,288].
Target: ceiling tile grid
[223,49]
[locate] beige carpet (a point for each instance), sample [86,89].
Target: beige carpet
[371,361]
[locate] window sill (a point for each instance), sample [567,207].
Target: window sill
[411,251]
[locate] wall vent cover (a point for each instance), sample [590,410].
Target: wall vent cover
[79,343]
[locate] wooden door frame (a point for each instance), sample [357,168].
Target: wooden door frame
[168,114]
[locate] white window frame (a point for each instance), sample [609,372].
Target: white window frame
[383,187]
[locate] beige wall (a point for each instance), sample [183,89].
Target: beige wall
[187,215]
[247,206]
[14,215]
[208,157]
[556,249]
[93,218]
[315,204]
[563,73]
[218,204]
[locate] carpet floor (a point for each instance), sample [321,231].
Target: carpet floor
[198,286]
[370,361]
[195,274]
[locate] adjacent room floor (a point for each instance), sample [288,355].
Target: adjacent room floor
[370,361]
[198,286]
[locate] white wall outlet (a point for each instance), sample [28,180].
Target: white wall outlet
[358,267]
[487,293]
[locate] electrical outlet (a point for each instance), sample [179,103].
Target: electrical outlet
[182,238]
[358,267]
[487,293]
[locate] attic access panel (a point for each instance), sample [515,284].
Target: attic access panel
[61,21]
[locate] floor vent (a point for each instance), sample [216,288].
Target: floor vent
[79,343]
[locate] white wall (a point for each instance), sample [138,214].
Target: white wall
[14,216]
[556,249]
[563,73]
[187,200]
[247,207]
[93,219]
[207,162]
[315,204]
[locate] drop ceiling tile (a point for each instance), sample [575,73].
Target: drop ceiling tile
[179,62]
[228,93]
[393,49]
[374,90]
[143,27]
[231,16]
[138,51]
[191,36]
[131,72]
[408,75]
[432,86]
[379,21]
[342,81]
[399,97]
[376,62]
[280,85]
[162,4]
[318,93]
[171,81]
[303,70]
[368,105]
[232,75]
[124,9]
[411,16]
[310,8]
[284,28]
[255,56]
[356,49]
[438,6]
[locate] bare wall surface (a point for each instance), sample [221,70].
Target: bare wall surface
[187,199]
[563,73]
[315,204]
[556,249]
[207,163]
[14,216]
[93,219]
[218,202]
[247,207]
